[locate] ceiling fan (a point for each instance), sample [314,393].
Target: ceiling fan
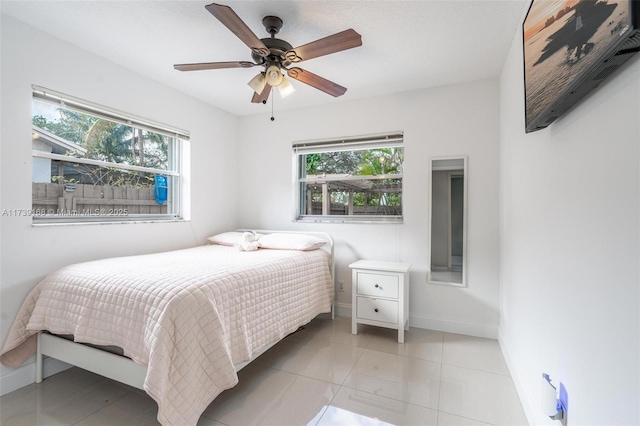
[276,56]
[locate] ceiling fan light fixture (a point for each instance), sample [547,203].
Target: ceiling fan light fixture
[258,82]
[273,75]
[285,88]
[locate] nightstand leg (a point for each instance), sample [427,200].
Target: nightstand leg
[354,327]
[401,335]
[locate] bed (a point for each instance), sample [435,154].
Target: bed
[184,321]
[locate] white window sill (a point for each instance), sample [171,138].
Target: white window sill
[109,222]
[351,219]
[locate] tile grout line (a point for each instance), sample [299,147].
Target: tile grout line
[325,410]
[342,385]
[440,390]
[440,381]
[467,418]
[210,418]
[392,399]
[476,369]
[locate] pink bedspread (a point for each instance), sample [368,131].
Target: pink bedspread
[189,315]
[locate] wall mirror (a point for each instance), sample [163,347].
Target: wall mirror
[448,221]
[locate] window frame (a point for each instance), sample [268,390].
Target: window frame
[174,173]
[301,148]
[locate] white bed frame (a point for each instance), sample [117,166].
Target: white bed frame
[123,369]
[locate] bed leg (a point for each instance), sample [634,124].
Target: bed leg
[38,362]
[333,310]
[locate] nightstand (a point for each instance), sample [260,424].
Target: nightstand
[380,295]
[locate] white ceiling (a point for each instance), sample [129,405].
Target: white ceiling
[406,45]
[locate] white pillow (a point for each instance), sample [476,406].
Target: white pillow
[229,238]
[291,242]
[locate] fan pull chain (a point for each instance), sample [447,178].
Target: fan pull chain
[272,117]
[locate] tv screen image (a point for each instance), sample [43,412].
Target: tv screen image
[565,41]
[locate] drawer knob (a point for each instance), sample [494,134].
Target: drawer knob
[376,309]
[377,286]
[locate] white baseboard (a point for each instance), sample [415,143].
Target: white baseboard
[343,310]
[438,324]
[452,326]
[26,374]
[531,411]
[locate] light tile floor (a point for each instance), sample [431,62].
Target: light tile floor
[321,375]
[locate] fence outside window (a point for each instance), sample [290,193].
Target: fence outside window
[91,163]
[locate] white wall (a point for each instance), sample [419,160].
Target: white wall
[454,120]
[569,240]
[28,253]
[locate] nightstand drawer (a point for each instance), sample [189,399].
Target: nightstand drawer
[378,285]
[377,309]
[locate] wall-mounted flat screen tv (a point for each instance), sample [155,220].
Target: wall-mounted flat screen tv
[570,47]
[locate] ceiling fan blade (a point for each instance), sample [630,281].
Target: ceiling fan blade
[229,19]
[262,97]
[316,81]
[344,40]
[213,65]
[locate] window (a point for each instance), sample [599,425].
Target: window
[92,164]
[350,180]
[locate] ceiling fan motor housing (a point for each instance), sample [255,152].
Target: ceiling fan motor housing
[277,49]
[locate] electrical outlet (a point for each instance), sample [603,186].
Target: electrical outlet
[340,286]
